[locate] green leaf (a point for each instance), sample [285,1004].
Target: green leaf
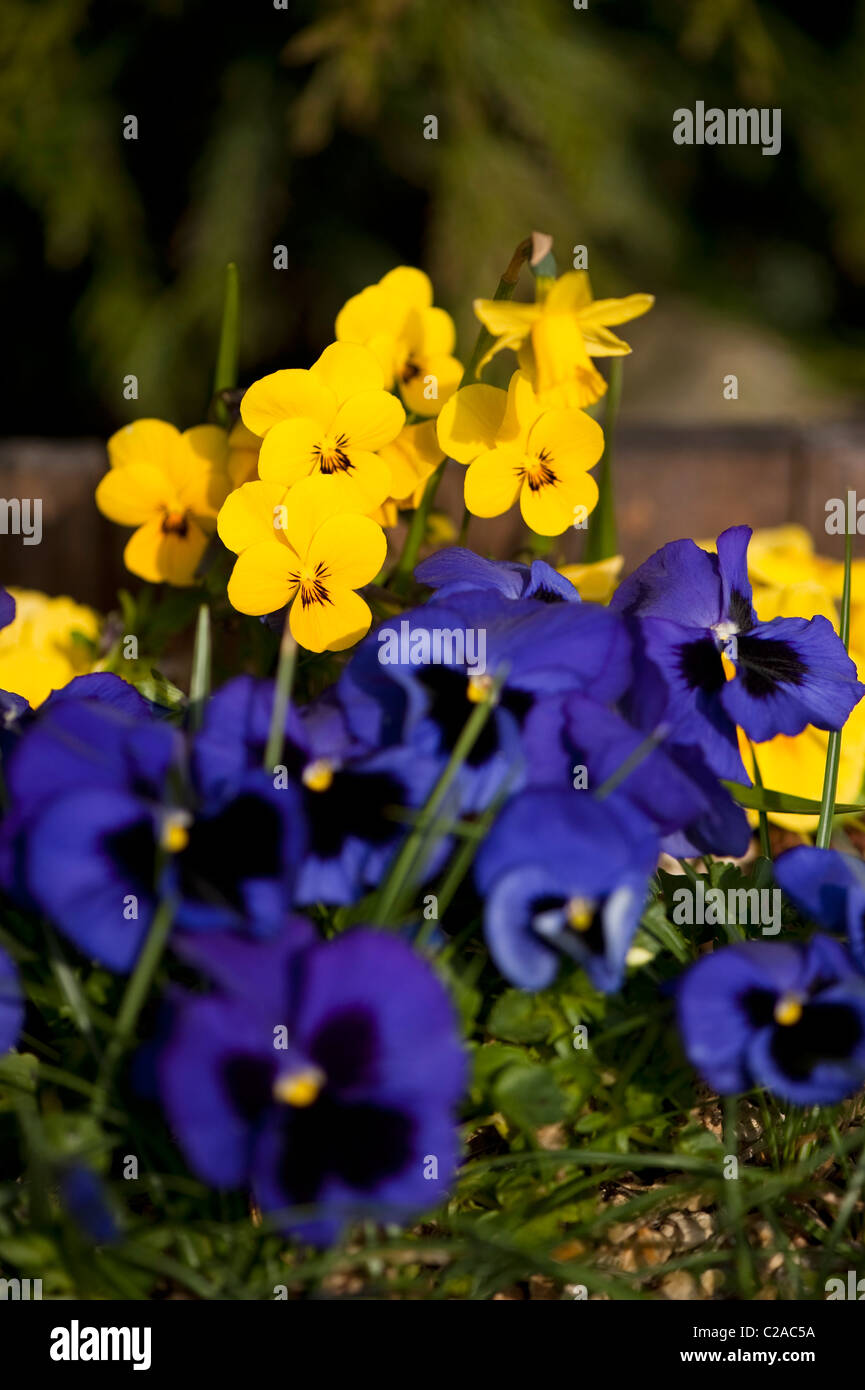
[765,799]
[529,1096]
[520,1017]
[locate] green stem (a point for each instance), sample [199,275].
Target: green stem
[765,843]
[199,683]
[504,290]
[833,750]
[133,1000]
[395,883]
[228,353]
[281,696]
[602,540]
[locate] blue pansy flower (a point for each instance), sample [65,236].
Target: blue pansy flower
[564,877]
[829,887]
[11,1004]
[102,825]
[7,608]
[570,741]
[321,1076]
[456,570]
[693,607]
[350,794]
[418,678]
[790,1017]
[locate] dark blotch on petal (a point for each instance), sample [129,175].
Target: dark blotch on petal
[700,664]
[764,664]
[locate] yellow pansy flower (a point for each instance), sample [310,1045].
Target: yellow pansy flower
[515,448]
[412,457]
[48,642]
[293,549]
[170,486]
[328,421]
[243,450]
[596,582]
[412,340]
[557,337]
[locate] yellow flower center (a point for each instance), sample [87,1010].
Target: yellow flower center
[174,835]
[329,454]
[788,1010]
[299,1088]
[580,912]
[479,689]
[318,775]
[537,470]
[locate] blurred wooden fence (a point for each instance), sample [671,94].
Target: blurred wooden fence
[671,481]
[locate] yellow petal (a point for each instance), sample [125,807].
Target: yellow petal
[571,293]
[361,489]
[369,420]
[166,557]
[570,437]
[374,319]
[352,550]
[559,350]
[595,582]
[469,421]
[331,626]
[264,578]
[600,342]
[551,510]
[288,450]
[410,286]
[493,482]
[284,395]
[440,373]
[201,473]
[132,493]
[243,447]
[247,515]
[345,369]
[601,313]
[412,457]
[523,409]
[430,332]
[504,319]
[153,442]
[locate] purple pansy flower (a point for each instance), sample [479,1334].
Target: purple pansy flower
[790,1017]
[695,607]
[457,570]
[323,1076]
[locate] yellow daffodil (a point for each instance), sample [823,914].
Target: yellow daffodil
[516,449]
[329,422]
[557,337]
[413,341]
[48,642]
[170,486]
[596,582]
[293,549]
[243,450]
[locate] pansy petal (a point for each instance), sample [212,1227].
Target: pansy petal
[410,286]
[789,673]
[283,395]
[346,368]
[493,482]
[551,509]
[170,557]
[368,420]
[152,442]
[133,493]
[351,548]
[569,436]
[443,374]
[264,578]
[331,626]
[248,514]
[469,421]
[288,450]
